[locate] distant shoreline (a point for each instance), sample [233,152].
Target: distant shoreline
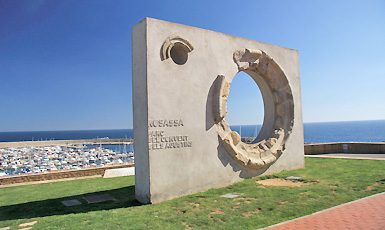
[323,132]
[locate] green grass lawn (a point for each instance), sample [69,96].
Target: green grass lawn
[328,182]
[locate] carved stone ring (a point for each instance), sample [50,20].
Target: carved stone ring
[279,111]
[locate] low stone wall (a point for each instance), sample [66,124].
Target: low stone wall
[346,147]
[59,174]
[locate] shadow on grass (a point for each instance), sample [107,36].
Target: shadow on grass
[125,197]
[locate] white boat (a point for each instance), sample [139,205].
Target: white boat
[36,170]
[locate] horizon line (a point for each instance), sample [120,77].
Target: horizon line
[64,130]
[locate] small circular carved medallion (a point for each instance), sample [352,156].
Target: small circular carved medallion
[177,47]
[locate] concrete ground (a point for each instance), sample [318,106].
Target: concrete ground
[362,156]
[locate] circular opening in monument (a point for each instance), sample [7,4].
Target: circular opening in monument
[245,107]
[179,53]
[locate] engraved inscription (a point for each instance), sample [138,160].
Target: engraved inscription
[158,139]
[165,123]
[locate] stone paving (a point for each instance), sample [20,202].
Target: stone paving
[98,198]
[357,156]
[70,203]
[366,213]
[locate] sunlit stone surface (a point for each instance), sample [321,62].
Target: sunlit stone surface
[181,79]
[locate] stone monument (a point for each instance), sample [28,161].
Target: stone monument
[181,80]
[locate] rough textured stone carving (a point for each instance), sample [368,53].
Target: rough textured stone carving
[221,92]
[268,150]
[181,46]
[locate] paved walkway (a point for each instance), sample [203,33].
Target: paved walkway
[366,213]
[360,156]
[49,181]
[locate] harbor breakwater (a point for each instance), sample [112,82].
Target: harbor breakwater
[20,144]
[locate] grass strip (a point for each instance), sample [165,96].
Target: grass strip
[326,183]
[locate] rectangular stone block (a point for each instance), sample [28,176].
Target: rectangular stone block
[110,173]
[69,203]
[181,79]
[99,198]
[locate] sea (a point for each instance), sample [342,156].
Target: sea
[322,132]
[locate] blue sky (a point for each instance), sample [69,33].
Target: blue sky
[66,65]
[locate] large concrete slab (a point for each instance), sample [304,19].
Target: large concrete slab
[98,198]
[70,203]
[181,79]
[358,156]
[110,173]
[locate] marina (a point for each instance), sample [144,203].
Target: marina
[44,159]
[19,155]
